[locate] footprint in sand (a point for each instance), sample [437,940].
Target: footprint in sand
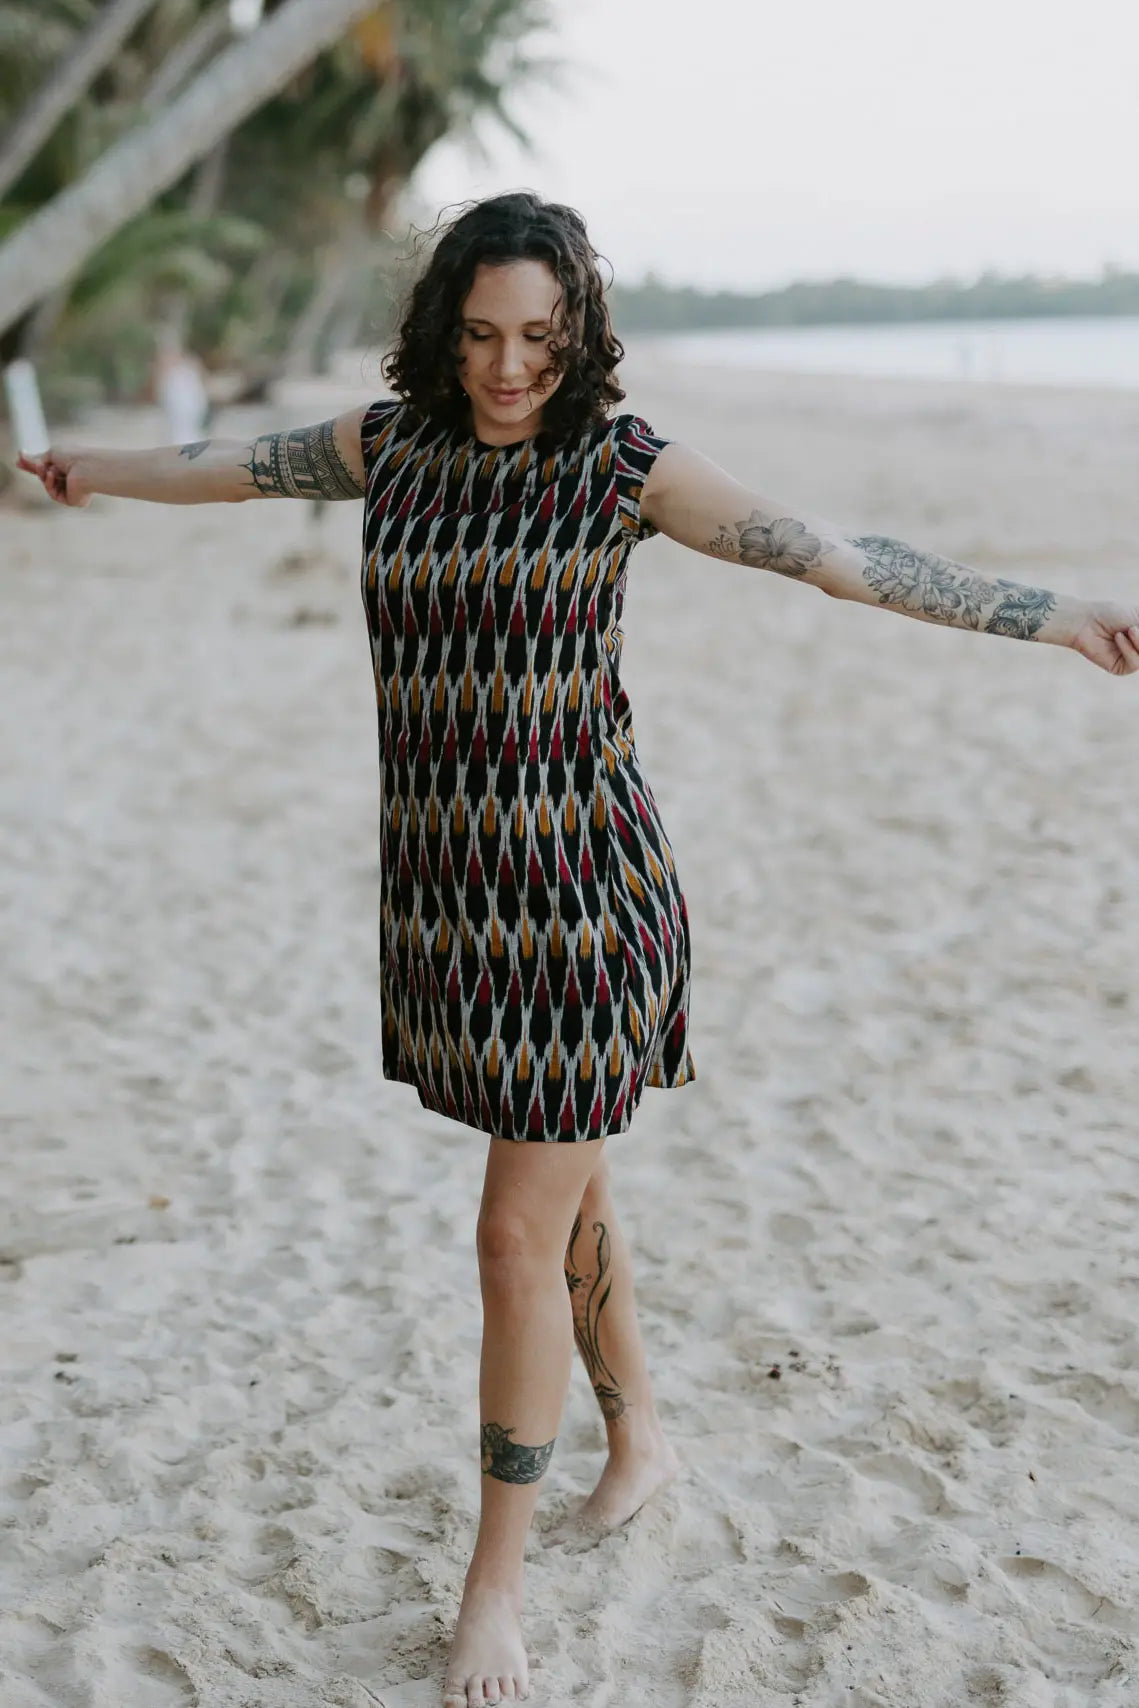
[1109,1402]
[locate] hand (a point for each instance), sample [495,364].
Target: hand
[61,476]
[1109,637]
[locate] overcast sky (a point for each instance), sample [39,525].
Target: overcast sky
[729,142]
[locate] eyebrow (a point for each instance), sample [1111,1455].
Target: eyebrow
[477,320]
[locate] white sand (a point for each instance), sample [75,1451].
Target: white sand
[238,1434]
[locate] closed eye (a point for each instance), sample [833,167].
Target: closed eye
[530,337]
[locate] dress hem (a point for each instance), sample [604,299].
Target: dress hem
[673,1084]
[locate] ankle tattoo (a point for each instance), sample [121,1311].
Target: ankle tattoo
[510,1461]
[587,1309]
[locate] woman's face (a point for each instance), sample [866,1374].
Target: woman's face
[506,328]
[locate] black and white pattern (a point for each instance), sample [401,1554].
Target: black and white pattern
[534,943]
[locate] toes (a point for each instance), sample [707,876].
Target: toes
[486,1692]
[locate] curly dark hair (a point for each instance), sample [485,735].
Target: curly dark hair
[520,226]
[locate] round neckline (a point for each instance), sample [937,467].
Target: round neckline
[466,437]
[483,447]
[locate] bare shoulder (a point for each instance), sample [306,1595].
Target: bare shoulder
[674,460]
[683,479]
[348,429]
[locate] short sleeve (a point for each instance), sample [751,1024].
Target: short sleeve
[638,448]
[377,429]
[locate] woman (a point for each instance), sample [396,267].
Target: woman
[535,948]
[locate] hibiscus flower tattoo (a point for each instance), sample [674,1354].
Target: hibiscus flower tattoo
[783,545]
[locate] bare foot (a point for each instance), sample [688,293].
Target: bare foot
[627,1482]
[488,1657]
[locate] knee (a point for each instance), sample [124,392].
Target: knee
[507,1242]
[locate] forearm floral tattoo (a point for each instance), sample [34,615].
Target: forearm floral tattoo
[304,463]
[782,544]
[508,1460]
[587,1303]
[945,591]
[922,583]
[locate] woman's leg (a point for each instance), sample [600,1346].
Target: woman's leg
[599,1274]
[531,1195]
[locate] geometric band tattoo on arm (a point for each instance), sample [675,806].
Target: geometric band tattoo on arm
[508,1460]
[944,591]
[587,1303]
[303,463]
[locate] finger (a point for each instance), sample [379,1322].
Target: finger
[1128,650]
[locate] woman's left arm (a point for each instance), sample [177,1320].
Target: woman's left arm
[692,500]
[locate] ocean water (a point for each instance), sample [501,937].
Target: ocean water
[1098,351]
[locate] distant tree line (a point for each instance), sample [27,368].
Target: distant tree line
[654,306]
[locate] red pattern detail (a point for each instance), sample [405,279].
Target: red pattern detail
[443,870]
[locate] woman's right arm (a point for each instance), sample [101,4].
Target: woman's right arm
[324,461]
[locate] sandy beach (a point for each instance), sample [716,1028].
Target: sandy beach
[886,1241]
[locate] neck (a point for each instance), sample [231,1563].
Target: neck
[505,433]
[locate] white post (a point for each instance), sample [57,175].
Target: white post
[244,15]
[25,411]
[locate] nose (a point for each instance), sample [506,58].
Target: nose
[510,368]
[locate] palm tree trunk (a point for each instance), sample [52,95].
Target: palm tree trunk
[51,246]
[335,265]
[96,47]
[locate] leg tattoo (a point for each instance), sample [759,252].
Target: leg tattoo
[587,1309]
[508,1460]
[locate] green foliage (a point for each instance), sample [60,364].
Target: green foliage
[318,164]
[169,250]
[34,35]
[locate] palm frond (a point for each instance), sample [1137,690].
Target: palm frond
[142,247]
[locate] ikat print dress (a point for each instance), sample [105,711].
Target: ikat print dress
[535,961]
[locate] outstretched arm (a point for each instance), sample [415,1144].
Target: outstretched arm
[324,461]
[692,500]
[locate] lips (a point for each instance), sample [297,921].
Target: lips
[507,396]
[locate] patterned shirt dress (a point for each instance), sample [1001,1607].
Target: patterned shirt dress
[534,942]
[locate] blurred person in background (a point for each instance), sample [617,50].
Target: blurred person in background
[179,385]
